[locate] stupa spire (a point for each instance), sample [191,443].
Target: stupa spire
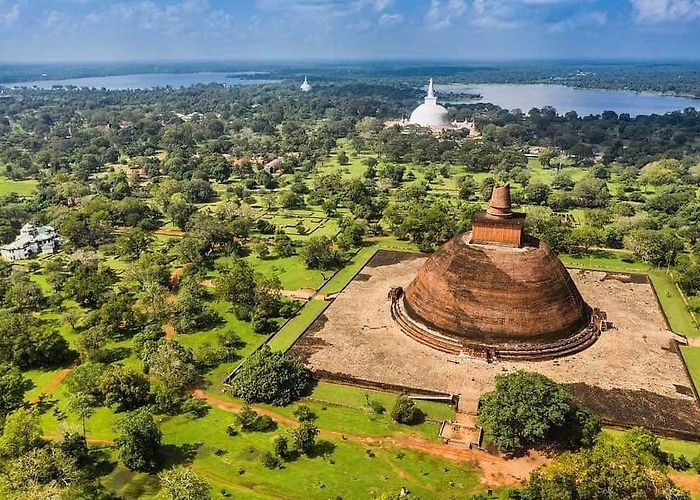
[431,90]
[500,205]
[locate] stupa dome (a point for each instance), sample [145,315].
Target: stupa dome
[305,86]
[430,113]
[496,291]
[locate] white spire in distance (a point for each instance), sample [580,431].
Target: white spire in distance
[305,87]
[430,99]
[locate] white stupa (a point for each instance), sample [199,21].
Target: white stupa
[305,87]
[430,113]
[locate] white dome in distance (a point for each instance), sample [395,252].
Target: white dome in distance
[305,87]
[430,113]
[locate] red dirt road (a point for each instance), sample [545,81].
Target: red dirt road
[53,384]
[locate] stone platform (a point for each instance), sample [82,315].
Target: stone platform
[631,375]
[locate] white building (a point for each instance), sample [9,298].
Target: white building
[31,241]
[306,86]
[430,113]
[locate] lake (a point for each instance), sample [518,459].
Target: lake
[148,80]
[509,96]
[583,101]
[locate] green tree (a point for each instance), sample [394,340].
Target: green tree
[236,284]
[343,158]
[304,437]
[173,364]
[628,466]
[21,434]
[133,242]
[271,377]
[138,441]
[545,157]
[657,247]
[406,412]
[124,387]
[319,252]
[13,385]
[527,409]
[284,246]
[591,192]
[181,483]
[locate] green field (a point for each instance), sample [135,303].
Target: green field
[692,360]
[21,188]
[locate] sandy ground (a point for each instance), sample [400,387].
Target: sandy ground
[631,375]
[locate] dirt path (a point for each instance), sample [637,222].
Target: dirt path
[687,482]
[300,294]
[496,471]
[53,384]
[174,280]
[303,294]
[97,441]
[169,232]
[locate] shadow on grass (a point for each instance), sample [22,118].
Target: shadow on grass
[183,454]
[322,449]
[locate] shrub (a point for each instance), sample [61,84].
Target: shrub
[271,461]
[281,446]
[376,406]
[406,412]
[695,463]
[271,377]
[679,463]
[304,414]
[250,421]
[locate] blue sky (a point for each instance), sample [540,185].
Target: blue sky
[73,30]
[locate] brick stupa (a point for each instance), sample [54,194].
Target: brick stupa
[496,292]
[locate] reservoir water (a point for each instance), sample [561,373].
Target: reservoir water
[584,101]
[147,81]
[509,96]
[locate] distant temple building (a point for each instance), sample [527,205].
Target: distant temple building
[430,113]
[434,116]
[306,86]
[496,292]
[31,241]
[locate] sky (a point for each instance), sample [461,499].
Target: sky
[258,30]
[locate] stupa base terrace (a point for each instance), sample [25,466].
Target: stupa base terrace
[631,375]
[511,351]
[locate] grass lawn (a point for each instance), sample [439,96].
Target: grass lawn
[605,260]
[22,188]
[352,396]
[291,271]
[348,471]
[676,311]
[676,446]
[285,338]
[691,355]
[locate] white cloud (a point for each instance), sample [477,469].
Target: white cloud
[54,19]
[390,19]
[499,14]
[664,11]
[10,15]
[376,5]
[595,19]
[442,13]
